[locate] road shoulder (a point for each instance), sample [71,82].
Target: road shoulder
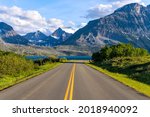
[140,87]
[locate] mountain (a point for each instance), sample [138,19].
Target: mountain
[57,38]
[51,41]
[128,24]
[40,39]
[36,38]
[61,35]
[8,35]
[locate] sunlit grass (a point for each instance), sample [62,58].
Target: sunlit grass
[138,86]
[7,81]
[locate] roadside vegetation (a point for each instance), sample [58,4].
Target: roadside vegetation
[16,68]
[125,63]
[63,60]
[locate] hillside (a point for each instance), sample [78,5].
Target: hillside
[129,24]
[8,35]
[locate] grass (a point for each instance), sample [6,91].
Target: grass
[137,68]
[138,86]
[8,81]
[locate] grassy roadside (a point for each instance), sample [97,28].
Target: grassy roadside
[140,87]
[8,81]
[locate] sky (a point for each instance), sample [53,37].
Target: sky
[47,15]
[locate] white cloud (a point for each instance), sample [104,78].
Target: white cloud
[102,10]
[72,27]
[21,20]
[69,29]
[82,25]
[54,24]
[24,21]
[120,3]
[71,23]
[99,11]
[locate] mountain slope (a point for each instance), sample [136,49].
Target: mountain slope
[57,37]
[40,39]
[51,41]
[8,35]
[35,36]
[129,24]
[61,35]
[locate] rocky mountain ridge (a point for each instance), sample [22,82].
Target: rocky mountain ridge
[128,24]
[8,35]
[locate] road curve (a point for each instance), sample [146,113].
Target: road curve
[71,82]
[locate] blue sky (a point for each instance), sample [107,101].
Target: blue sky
[48,15]
[62,9]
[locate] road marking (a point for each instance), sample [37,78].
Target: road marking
[67,91]
[70,87]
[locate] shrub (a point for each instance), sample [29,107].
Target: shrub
[54,59]
[62,60]
[12,64]
[120,50]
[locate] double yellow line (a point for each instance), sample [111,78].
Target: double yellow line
[70,87]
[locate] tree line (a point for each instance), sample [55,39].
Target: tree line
[12,64]
[120,50]
[125,59]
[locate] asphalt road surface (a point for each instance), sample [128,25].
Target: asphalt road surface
[71,82]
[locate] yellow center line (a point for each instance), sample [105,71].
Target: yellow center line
[67,91]
[70,86]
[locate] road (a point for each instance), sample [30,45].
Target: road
[71,82]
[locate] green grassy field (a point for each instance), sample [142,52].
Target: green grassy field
[125,63]
[136,68]
[16,68]
[7,80]
[131,71]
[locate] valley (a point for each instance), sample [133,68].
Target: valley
[124,25]
[106,59]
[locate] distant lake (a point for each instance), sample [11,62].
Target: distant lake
[76,57]
[34,58]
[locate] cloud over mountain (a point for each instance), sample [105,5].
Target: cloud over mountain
[25,21]
[102,10]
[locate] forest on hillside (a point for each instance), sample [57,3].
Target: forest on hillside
[125,59]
